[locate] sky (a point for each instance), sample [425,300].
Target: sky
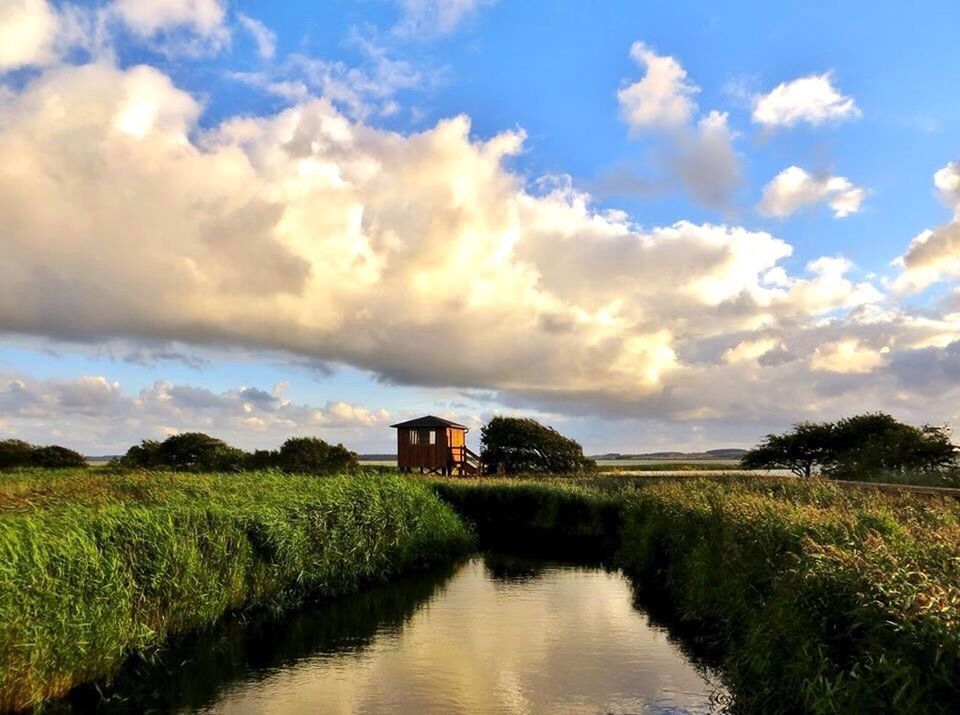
[652,226]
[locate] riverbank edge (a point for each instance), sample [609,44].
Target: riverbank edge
[85,585]
[814,599]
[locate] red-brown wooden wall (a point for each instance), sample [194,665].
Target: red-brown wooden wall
[426,455]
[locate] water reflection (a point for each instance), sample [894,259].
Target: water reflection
[495,634]
[190,675]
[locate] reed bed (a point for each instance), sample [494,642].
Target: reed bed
[818,599]
[95,567]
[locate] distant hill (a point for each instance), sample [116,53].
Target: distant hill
[376,457]
[686,456]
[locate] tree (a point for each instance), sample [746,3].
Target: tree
[877,443]
[57,457]
[855,447]
[311,455]
[514,445]
[15,453]
[803,450]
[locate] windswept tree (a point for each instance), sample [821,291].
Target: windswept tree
[856,447]
[804,450]
[516,445]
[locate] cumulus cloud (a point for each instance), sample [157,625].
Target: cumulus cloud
[27,33]
[432,18]
[934,254]
[662,98]
[99,415]
[794,189]
[812,100]
[699,156]
[309,233]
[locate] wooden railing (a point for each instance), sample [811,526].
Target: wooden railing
[465,461]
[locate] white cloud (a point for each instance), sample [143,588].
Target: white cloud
[700,157]
[265,39]
[934,254]
[148,17]
[361,91]
[811,99]
[794,189]
[38,33]
[847,356]
[749,350]
[705,161]
[663,98]
[27,33]
[947,182]
[431,18]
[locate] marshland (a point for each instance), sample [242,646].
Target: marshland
[778,595]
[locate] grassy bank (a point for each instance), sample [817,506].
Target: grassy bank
[94,567]
[819,599]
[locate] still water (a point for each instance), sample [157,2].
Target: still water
[494,634]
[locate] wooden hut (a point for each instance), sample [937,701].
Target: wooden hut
[433,445]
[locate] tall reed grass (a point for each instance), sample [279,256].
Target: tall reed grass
[95,567]
[819,599]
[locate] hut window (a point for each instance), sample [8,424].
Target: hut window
[414,437]
[433,436]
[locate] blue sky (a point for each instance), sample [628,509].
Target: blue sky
[556,230]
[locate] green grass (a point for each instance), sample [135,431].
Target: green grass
[819,599]
[96,566]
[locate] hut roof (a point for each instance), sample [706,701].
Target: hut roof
[429,421]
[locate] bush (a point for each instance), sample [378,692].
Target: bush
[15,453]
[56,457]
[198,452]
[514,445]
[310,455]
[261,459]
[187,452]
